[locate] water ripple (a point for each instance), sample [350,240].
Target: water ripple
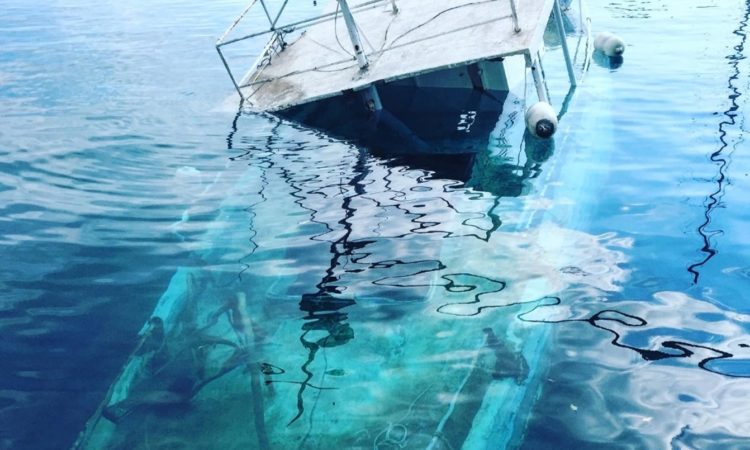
[719,156]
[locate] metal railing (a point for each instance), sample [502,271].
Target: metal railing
[276,42]
[514,13]
[276,33]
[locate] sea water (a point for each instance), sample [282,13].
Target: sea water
[605,284]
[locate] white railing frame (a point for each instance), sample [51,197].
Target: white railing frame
[276,41]
[277,32]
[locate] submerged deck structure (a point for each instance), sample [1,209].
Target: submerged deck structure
[361,47]
[345,299]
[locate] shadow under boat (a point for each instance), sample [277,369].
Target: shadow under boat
[448,111]
[442,122]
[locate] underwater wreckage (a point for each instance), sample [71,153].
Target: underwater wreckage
[362,346]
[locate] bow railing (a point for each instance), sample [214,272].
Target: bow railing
[278,30]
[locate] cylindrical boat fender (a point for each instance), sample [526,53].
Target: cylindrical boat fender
[541,120]
[609,44]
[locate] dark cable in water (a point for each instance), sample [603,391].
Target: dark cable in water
[713,200]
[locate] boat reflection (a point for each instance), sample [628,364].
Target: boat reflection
[608,62]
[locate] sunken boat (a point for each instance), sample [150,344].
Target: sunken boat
[383,333]
[412,73]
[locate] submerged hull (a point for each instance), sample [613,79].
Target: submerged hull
[363,351]
[347,302]
[362,296]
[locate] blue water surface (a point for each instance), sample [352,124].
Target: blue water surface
[124,163]
[102,104]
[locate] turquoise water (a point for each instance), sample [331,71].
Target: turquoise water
[389,302]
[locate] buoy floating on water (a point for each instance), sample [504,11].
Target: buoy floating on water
[541,120]
[609,44]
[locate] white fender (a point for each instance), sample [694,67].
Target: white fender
[609,44]
[541,120]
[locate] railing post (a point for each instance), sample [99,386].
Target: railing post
[229,72]
[564,42]
[536,74]
[351,26]
[278,15]
[268,14]
[580,12]
[395,8]
[514,13]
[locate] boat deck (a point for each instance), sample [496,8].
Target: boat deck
[423,36]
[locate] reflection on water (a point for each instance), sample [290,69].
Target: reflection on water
[633,402]
[329,295]
[627,327]
[661,363]
[374,306]
[608,62]
[387,296]
[729,121]
[382,304]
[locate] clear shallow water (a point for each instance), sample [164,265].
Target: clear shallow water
[96,189]
[101,105]
[669,128]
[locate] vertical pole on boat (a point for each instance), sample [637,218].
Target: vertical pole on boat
[268,14]
[564,42]
[229,71]
[278,15]
[395,8]
[580,13]
[351,26]
[514,13]
[372,99]
[536,74]
[540,66]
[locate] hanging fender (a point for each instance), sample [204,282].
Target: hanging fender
[609,44]
[541,120]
